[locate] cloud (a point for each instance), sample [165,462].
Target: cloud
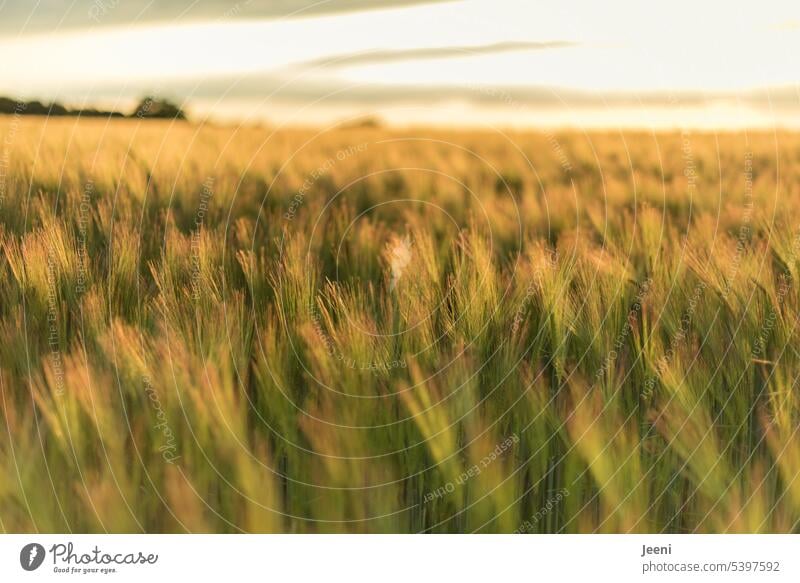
[26,17]
[277,8]
[300,91]
[384,56]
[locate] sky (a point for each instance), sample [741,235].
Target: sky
[571,63]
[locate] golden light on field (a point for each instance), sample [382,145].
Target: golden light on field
[289,266]
[377,59]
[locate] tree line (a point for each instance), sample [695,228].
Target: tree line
[148,108]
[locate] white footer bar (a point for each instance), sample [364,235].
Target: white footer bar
[400,558]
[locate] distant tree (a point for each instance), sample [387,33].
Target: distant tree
[367,122]
[92,112]
[157,108]
[10,105]
[39,108]
[17,107]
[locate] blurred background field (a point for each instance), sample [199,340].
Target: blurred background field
[361,329]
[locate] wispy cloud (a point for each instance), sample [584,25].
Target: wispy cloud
[277,8]
[24,16]
[383,56]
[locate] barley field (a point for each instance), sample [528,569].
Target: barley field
[362,329]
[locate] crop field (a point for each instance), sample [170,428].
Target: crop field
[363,329]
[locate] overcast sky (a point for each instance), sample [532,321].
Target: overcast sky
[551,62]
